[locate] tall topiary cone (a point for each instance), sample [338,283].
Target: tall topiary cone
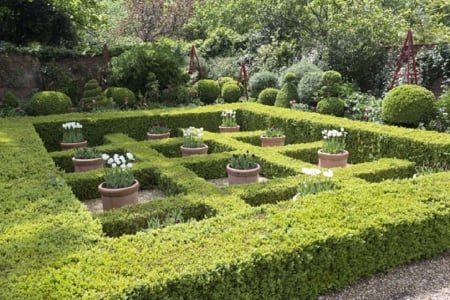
[287,92]
[93,91]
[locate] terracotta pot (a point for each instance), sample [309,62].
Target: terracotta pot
[68,146]
[115,198]
[158,136]
[87,164]
[272,141]
[328,160]
[238,176]
[224,129]
[193,151]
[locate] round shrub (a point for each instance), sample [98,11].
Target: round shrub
[268,96]
[49,102]
[299,69]
[287,93]
[208,90]
[223,80]
[10,100]
[119,94]
[231,92]
[308,85]
[261,80]
[408,105]
[331,106]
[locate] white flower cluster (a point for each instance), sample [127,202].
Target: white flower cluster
[229,113]
[327,134]
[119,160]
[72,125]
[193,132]
[314,172]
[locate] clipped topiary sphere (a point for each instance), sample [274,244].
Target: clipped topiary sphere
[208,90]
[330,82]
[408,105]
[287,93]
[49,102]
[260,81]
[120,95]
[331,106]
[268,96]
[231,92]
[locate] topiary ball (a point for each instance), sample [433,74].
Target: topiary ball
[408,105]
[331,106]
[330,83]
[208,90]
[49,102]
[120,95]
[231,92]
[268,96]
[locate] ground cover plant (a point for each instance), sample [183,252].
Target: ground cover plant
[249,242]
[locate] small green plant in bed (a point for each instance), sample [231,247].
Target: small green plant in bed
[87,153]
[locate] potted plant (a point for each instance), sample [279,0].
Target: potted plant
[72,136]
[315,184]
[120,187]
[333,153]
[243,168]
[229,123]
[193,142]
[86,159]
[157,132]
[272,137]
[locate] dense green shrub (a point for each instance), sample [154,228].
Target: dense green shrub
[299,69]
[231,92]
[49,102]
[208,90]
[288,92]
[220,42]
[223,80]
[408,105]
[308,86]
[119,94]
[261,80]
[92,95]
[331,106]
[143,66]
[268,96]
[10,100]
[330,81]
[218,67]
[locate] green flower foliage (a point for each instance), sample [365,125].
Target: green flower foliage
[408,105]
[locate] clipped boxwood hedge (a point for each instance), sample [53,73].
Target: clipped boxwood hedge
[248,242]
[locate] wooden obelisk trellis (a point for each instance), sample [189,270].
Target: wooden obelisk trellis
[243,78]
[194,63]
[409,73]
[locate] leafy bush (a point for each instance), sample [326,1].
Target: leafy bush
[231,92]
[221,67]
[268,96]
[331,106]
[49,102]
[120,95]
[288,92]
[208,90]
[308,86]
[147,65]
[10,100]
[408,105]
[261,80]
[299,69]
[220,42]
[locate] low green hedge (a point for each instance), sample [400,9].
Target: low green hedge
[249,242]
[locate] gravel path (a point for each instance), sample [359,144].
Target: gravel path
[424,280]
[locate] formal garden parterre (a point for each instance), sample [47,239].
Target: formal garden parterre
[242,242]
